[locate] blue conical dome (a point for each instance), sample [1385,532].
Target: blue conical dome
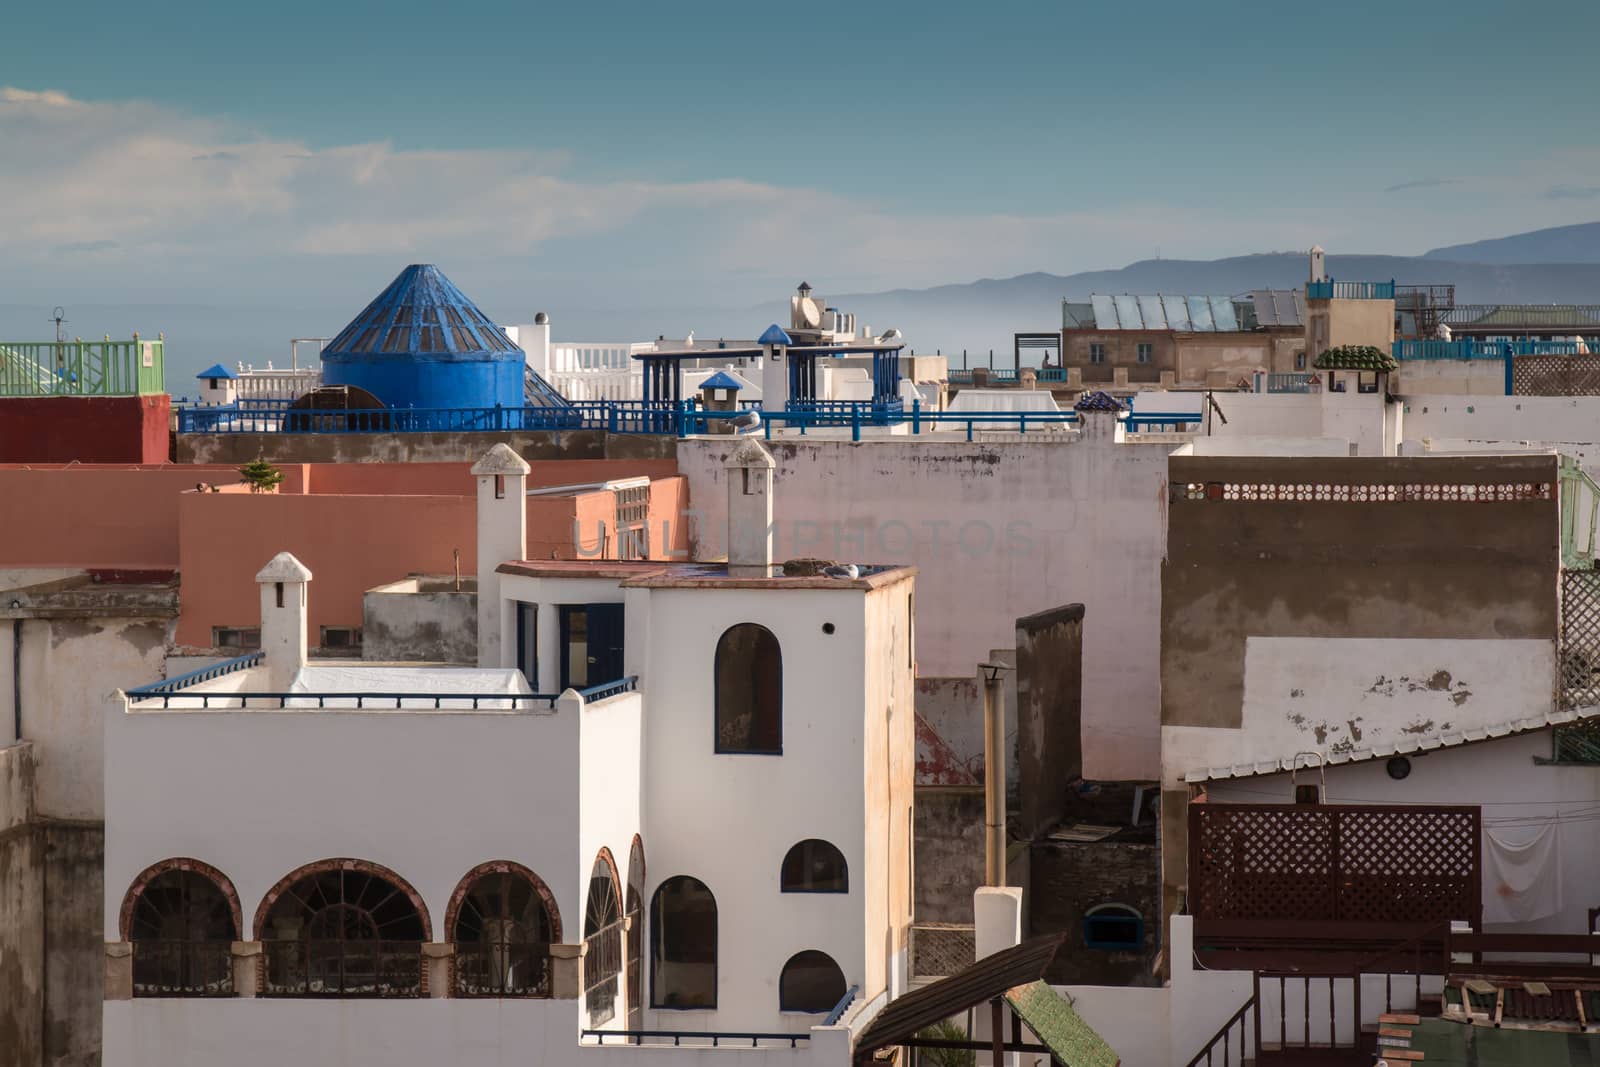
[423,344]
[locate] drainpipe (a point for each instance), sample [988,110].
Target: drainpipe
[994,775]
[16,675]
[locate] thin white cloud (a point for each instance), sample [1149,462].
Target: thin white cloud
[196,204]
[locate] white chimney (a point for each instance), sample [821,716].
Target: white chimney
[535,341]
[749,472]
[502,535]
[1319,265]
[283,619]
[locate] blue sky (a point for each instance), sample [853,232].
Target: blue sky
[302,152]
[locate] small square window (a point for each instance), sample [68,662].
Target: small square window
[1113,928]
[1299,361]
[1146,351]
[1097,353]
[237,638]
[344,638]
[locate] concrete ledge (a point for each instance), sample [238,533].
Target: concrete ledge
[119,970]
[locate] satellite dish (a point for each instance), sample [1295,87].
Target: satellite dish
[810,314]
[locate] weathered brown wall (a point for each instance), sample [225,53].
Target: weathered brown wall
[948,857]
[1345,569]
[1122,350]
[21,911]
[1049,713]
[74,942]
[239,448]
[1067,879]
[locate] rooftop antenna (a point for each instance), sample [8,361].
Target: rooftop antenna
[59,316]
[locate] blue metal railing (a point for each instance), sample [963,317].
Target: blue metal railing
[1467,348]
[1334,290]
[609,689]
[202,674]
[840,1008]
[683,419]
[270,416]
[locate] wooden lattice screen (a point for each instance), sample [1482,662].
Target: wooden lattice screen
[1580,638]
[1359,863]
[1555,375]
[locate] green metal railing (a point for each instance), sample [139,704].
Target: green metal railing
[82,368]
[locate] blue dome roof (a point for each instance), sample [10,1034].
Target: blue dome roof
[216,370]
[421,316]
[774,336]
[721,380]
[1099,401]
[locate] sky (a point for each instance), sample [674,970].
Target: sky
[711,154]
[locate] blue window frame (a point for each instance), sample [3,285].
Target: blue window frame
[1113,928]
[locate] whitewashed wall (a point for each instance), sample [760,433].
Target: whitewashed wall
[1327,695]
[997,531]
[1570,425]
[260,793]
[609,787]
[728,820]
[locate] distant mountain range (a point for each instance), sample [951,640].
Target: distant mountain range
[1560,265]
[981,315]
[1560,244]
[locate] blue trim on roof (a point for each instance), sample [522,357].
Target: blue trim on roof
[721,380]
[216,370]
[774,336]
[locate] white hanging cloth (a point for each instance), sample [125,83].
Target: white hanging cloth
[1521,873]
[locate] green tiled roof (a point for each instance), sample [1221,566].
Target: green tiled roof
[1049,1014]
[1355,357]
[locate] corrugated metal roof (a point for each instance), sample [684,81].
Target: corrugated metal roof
[421,316]
[1401,748]
[1185,314]
[993,976]
[1279,307]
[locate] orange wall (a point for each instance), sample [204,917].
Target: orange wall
[455,479]
[350,543]
[93,515]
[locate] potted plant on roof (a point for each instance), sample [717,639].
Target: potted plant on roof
[261,476]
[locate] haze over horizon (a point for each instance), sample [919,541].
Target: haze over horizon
[296,157]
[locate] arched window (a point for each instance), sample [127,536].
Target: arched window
[810,981]
[602,933]
[633,905]
[342,928]
[502,919]
[1115,927]
[749,691]
[683,945]
[814,866]
[182,917]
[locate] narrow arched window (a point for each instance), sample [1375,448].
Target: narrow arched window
[343,928]
[633,905]
[182,924]
[1113,927]
[749,691]
[683,945]
[814,866]
[502,921]
[602,934]
[811,982]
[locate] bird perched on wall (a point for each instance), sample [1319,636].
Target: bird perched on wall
[746,421]
[842,571]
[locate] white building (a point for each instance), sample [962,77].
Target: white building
[670,798]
